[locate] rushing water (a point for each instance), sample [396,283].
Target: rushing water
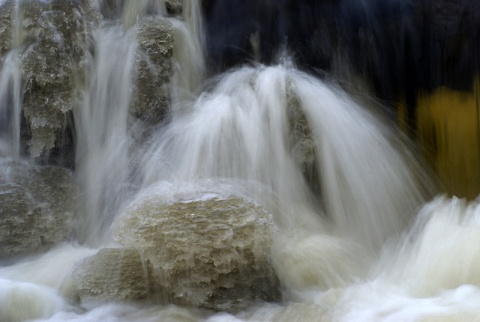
[358,236]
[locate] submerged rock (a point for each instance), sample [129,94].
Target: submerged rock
[211,253]
[37,208]
[151,98]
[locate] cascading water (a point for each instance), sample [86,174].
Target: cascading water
[103,141]
[10,97]
[11,94]
[262,194]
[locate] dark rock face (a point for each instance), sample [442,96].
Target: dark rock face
[37,208]
[174,7]
[211,253]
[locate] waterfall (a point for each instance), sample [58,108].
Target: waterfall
[103,139]
[11,91]
[140,181]
[10,105]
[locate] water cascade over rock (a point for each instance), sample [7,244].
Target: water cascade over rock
[153,168]
[50,39]
[38,207]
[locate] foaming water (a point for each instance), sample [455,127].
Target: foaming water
[354,239]
[23,301]
[241,130]
[236,139]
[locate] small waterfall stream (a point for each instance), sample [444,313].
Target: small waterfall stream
[171,193]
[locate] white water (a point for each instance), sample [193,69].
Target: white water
[10,105]
[103,138]
[365,247]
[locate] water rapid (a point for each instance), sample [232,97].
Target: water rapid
[262,193]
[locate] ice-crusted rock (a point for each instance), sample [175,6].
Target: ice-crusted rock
[37,207]
[113,274]
[7,17]
[55,36]
[211,253]
[151,98]
[302,143]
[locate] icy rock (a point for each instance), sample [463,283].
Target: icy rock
[113,274]
[56,34]
[151,98]
[302,143]
[37,207]
[6,27]
[211,253]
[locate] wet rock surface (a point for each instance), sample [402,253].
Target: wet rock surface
[210,253]
[113,274]
[37,207]
[54,42]
[174,7]
[151,99]
[302,143]
[6,27]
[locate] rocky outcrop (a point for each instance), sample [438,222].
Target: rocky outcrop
[211,253]
[151,98]
[56,34]
[37,207]
[7,17]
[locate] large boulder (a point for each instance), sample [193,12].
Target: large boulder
[37,207]
[211,253]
